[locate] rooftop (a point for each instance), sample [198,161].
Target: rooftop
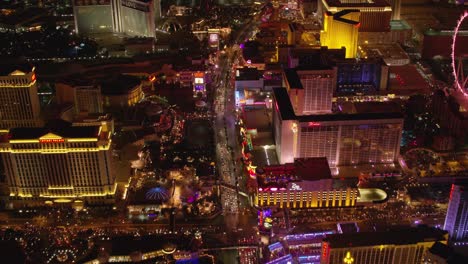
[392,54]
[56,127]
[406,80]
[284,107]
[345,228]
[399,25]
[119,84]
[125,245]
[362,3]
[293,79]
[403,236]
[247,74]
[447,253]
[303,169]
[6,68]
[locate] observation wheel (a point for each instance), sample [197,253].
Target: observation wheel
[460,79]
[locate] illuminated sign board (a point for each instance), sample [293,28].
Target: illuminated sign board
[135,5]
[214,37]
[91,2]
[199,81]
[313,124]
[53,140]
[213,40]
[325,249]
[199,75]
[295,187]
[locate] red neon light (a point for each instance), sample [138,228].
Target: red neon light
[58,140]
[33,77]
[325,249]
[313,124]
[451,192]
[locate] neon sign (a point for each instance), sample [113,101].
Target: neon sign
[55,140]
[313,124]
[295,187]
[324,249]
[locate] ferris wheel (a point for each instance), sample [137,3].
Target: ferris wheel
[461,80]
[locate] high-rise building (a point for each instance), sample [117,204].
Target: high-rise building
[93,16]
[363,76]
[456,221]
[341,30]
[135,17]
[375,15]
[366,133]
[396,8]
[310,89]
[408,245]
[19,101]
[59,163]
[132,17]
[88,99]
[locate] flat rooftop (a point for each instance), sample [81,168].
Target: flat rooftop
[406,80]
[399,25]
[403,236]
[247,74]
[56,127]
[356,4]
[6,68]
[390,53]
[303,169]
[286,111]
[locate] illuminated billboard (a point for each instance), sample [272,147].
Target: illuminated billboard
[213,40]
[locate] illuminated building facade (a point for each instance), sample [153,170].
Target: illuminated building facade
[341,30]
[136,17]
[92,96]
[58,163]
[93,16]
[408,245]
[358,137]
[310,90]
[19,101]
[456,220]
[199,83]
[122,90]
[306,183]
[132,17]
[88,99]
[375,16]
[396,9]
[363,76]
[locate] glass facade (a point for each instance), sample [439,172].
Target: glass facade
[350,144]
[369,143]
[94,19]
[319,141]
[135,22]
[358,78]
